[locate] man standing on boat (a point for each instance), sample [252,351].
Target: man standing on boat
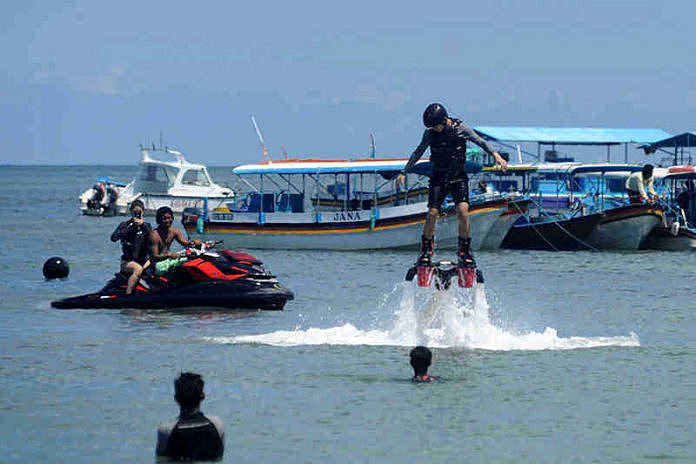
[637,184]
[446,137]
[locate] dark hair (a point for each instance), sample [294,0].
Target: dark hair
[161,211]
[647,170]
[188,390]
[420,360]
[137,203]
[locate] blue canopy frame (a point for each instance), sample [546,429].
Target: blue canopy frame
[572,136]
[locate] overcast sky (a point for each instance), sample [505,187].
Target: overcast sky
[86,82]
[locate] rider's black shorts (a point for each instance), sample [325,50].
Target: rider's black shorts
[440,186]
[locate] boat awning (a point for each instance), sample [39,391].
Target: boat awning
[605,168]
[685,140]
[107,180]
[380,166]
[571,135]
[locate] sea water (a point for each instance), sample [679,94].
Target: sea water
[559,357]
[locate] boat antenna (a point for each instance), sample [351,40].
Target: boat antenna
[263,145]
[519,153]
[160,139]
[285,153]
[372,145]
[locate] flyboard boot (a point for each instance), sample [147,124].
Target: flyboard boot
[423,268]
[466,265]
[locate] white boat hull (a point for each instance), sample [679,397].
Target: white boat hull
[321,235]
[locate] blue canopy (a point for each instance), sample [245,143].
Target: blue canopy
[107,180]
[685,140]
[571,135]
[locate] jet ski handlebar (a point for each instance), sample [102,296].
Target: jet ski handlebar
[192,251]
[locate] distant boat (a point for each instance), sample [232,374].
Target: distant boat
[172,182]
[343,205]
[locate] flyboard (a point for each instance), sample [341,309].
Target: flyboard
[440,275]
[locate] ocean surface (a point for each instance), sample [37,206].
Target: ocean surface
[560,357]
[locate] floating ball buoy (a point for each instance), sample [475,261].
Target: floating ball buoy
[56,268]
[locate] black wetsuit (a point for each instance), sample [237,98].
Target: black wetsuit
[195,437]
[134,241]
[448,159]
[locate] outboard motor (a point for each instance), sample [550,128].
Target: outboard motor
[111,195]
[98,192]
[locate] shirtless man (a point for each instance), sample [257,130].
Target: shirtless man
[162,237]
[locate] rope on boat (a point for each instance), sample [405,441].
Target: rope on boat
[571,235]
[534,227]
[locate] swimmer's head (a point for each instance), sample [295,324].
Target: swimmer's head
[420,360]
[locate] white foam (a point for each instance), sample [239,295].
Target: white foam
[455,318]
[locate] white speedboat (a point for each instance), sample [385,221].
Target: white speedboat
[171,181]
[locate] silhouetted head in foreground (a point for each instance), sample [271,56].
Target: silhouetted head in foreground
[188,391]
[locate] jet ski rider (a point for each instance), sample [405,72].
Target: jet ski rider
[134,235]
[162,237]
[447,139]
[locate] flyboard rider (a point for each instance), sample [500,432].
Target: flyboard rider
[446,137]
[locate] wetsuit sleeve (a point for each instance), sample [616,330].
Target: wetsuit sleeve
[121,231]
[418,152]
[467,132]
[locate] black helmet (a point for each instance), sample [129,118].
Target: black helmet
[434,114]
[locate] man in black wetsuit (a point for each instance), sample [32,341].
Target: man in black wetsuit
[446,137]
[193,436]
[134,235]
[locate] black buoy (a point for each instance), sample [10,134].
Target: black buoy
[56,268]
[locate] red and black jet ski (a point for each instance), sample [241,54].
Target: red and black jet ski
[225,279]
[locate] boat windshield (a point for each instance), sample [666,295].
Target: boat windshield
[155,178]
[196,177]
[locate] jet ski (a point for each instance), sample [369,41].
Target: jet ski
[204,278]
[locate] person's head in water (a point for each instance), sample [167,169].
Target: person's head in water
[164,216]
[188,391]
[137,209]
[647,171]
[435,117]
[420,360]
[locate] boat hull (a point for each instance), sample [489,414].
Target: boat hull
[561,235]
[662,239]
[152,202]
[394,227]
[625,228]
[496,235]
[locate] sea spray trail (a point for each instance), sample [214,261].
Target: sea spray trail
[454,318]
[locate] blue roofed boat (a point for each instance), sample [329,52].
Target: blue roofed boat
[575,205]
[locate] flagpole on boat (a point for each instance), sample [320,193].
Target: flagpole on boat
[266,157]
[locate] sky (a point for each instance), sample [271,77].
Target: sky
[87,82]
